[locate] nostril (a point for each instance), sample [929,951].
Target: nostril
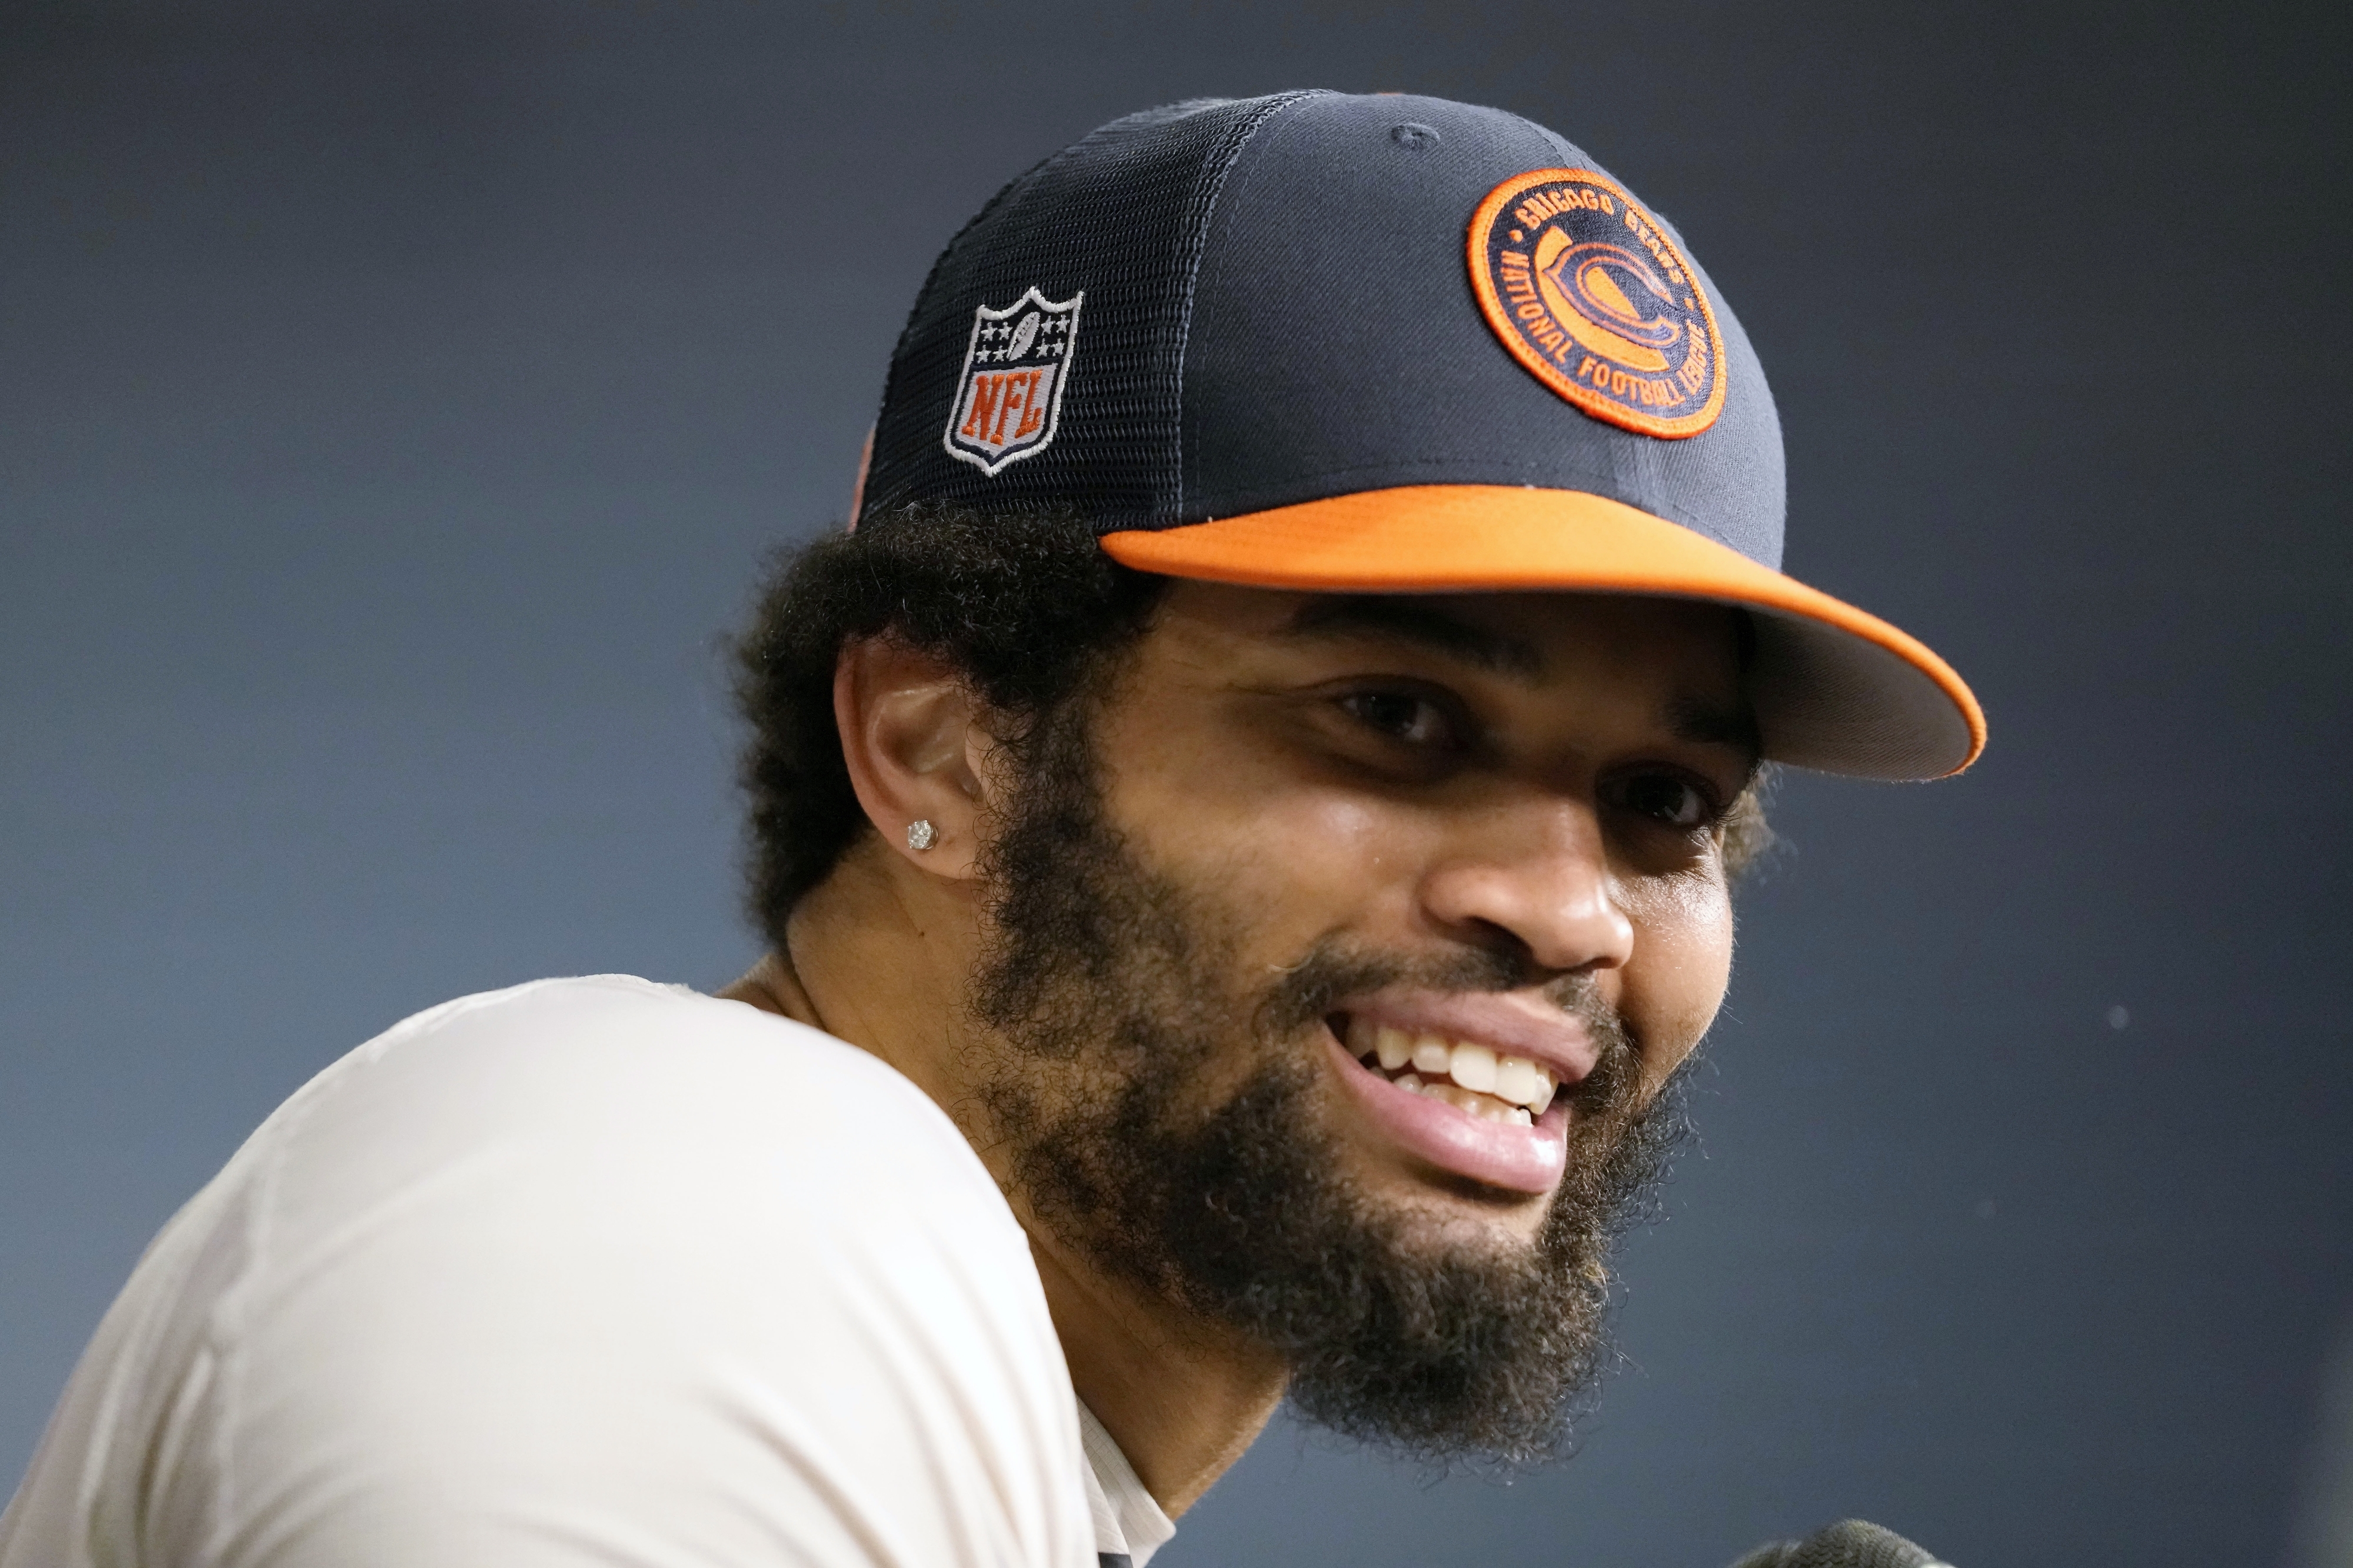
[1515,960]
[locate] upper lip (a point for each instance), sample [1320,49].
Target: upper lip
[1509,1026]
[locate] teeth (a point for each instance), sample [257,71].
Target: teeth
[1474,1068]
[1516,1080]
[1463,1073]
[1485,1107]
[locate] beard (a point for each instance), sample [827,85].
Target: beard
[1125,1016]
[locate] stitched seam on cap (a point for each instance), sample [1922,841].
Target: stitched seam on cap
[1201,207]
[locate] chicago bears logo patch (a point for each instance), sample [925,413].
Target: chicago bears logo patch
[1586,290]
[1010,397]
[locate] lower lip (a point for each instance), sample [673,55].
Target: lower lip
[1500,1153]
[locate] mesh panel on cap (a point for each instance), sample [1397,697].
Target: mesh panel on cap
[1121,216]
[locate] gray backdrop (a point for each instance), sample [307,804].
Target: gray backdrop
[396,397]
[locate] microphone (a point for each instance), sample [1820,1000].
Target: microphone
[1849,1544]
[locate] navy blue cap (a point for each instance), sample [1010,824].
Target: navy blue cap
[1384,343]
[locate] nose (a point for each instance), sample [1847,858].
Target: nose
[1541,877]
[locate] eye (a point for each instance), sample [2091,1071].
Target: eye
[1669,799]
[1406,717]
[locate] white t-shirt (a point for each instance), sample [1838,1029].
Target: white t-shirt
[587,1272]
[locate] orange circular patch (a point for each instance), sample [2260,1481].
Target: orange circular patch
[1587,290]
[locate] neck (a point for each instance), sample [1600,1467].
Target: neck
[1183,1399]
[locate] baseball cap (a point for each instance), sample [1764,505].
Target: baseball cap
[1384,343]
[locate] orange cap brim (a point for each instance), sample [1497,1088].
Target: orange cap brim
[1836,688]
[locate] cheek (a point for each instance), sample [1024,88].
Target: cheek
[1291,860]
[1299,863]
[1681,966]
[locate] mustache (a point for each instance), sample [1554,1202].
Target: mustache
[1313,989]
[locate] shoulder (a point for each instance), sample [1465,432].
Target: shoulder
[542,1138]
[603,1112]
[651,1082]
[611,1250]
[555,1049]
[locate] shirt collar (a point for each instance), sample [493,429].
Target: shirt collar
[1128,1522]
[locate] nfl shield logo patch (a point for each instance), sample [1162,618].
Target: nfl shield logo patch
[1010,396]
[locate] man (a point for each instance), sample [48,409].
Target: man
[1244,820]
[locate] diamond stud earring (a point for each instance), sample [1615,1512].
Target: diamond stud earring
[921,834]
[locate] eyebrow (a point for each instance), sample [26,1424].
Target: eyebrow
[1706,723]
[1688,718]
[1415,621]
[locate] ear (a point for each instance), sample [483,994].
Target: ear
[917,751]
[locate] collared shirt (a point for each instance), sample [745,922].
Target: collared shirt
[1129,1524]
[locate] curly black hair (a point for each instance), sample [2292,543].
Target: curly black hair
[1026,605]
